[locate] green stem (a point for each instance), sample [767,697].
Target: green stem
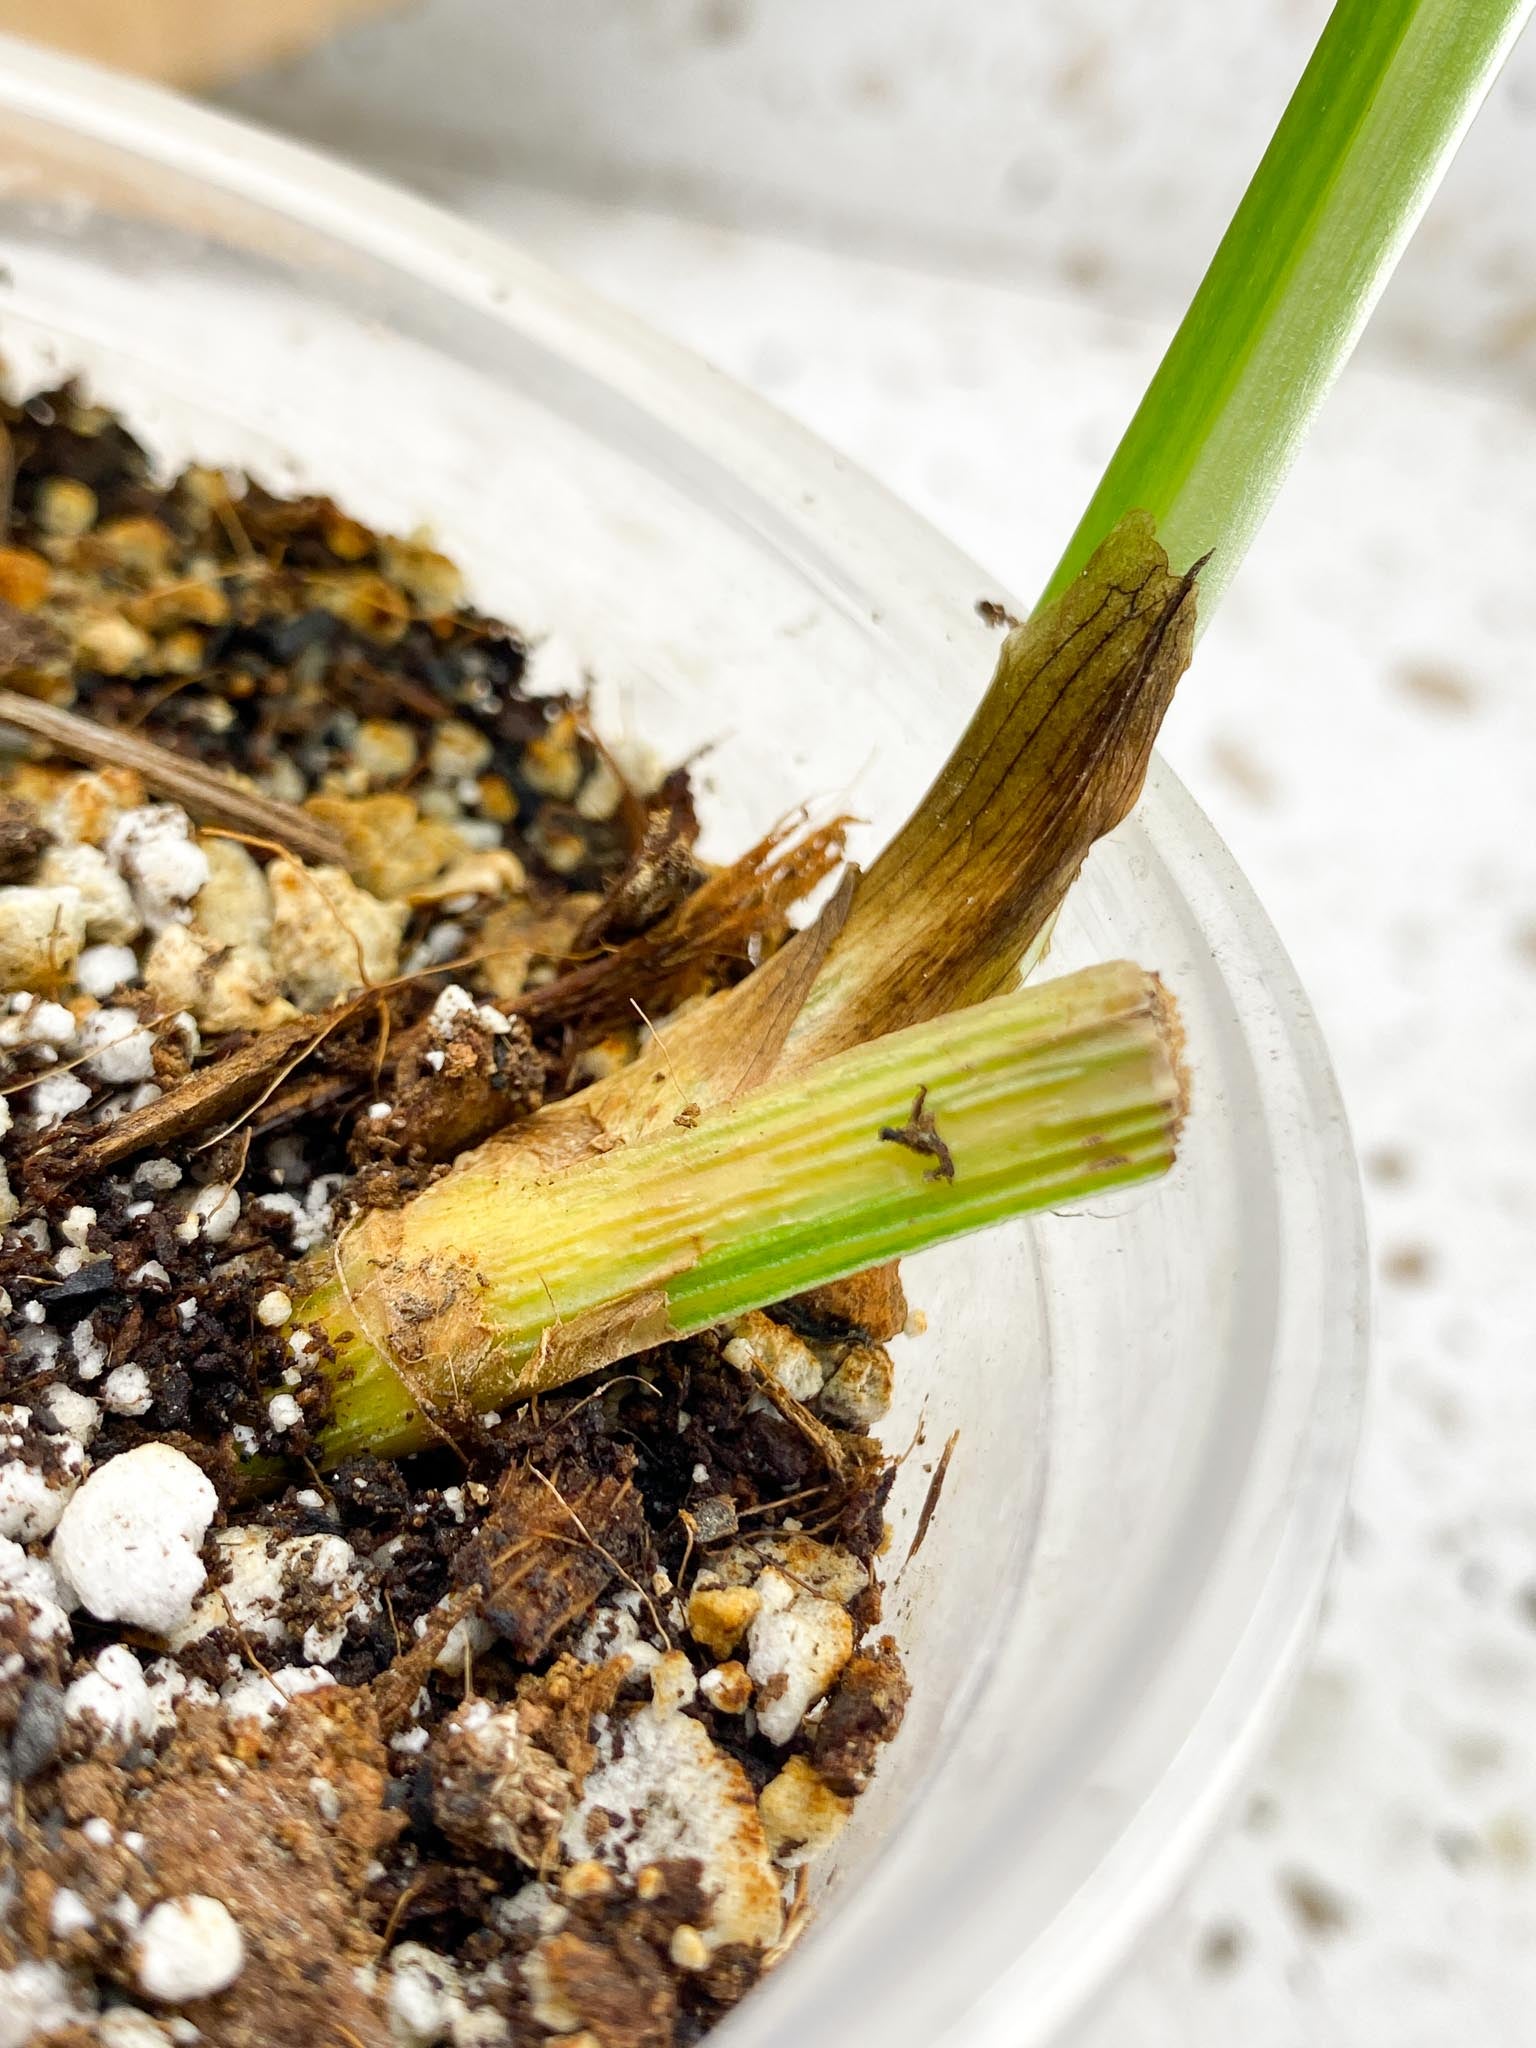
[1380,110]
[480,1293]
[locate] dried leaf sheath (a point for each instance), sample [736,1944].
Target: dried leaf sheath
[711,930]
[1054,758]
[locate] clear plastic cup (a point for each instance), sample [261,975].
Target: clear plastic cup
[1156,1403]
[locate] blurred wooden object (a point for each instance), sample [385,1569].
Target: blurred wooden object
[183,42]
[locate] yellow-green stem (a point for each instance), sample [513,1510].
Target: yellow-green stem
[482,1292]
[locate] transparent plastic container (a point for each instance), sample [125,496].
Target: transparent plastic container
[1157,1402]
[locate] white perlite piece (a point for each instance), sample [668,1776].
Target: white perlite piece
[673,1685]
[797,1645]
[660,1789]
[29,1022]
[126,2027]
[76,1227]
[250,1592]
[257,1567]
[757,1340]
[59,1096]
[38,1348]
[858,1395]
[457,750]
[470,1637]
[223,988]
[127,1543]
[114,1696]
[822,1568]
[455,1005]
[283,1412]
[29,1583]
[334,1566]
[309,1220]
[85,808]
[274,1308]
[121,1050]
[187,1948]
[600,795]
[31,1501]
[105,898]
[126,1390]
[69,1914]
[384,750]
[614,1631]
[76,1414]
[87,1349]
[482,2027]
[491,872]
[212,1215]
[35,1998]
[258,1696]
[529,1910]
[167,1685]
[424,1998]
[154,850]
[235,905]
[160,1174]
[727,1688]
[102,970]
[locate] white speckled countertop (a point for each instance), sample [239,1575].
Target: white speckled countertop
[1361,725]
[1090,144]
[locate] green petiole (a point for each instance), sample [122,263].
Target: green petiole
[1391,89]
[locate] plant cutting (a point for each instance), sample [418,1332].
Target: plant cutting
[449,1225]
[1058,749]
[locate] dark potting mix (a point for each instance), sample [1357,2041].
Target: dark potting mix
[532,1734]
